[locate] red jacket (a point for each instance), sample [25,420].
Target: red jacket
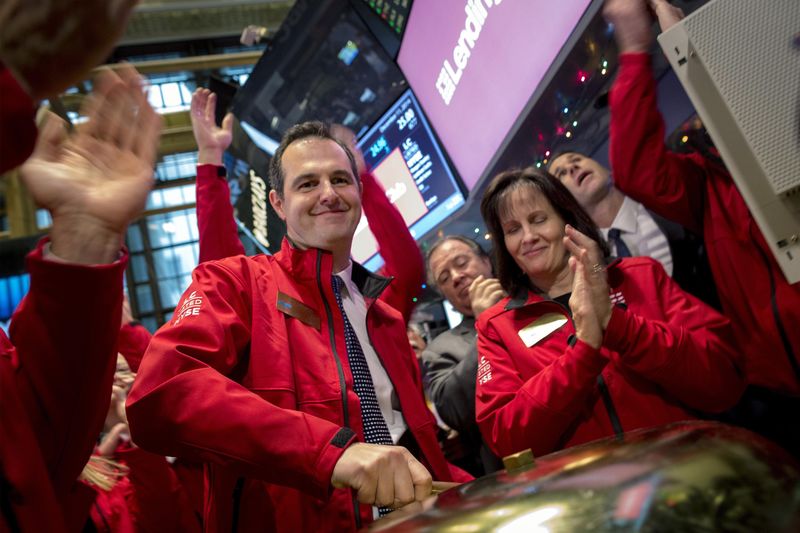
[17,125]
[133,341]
[150,498]
[403,259]
[664,353]
[699,194]
[55,383]
[252,376]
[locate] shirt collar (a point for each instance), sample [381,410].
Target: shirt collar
[347,277]
[625,221]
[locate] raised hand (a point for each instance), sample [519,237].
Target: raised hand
[666,14]
[632,22]
[95,181]
[484,293]
[387,476]
[52,45]
[212,140]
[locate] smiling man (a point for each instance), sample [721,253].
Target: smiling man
[288,374]
[462,272]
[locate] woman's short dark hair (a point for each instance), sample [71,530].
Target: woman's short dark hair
[305,130]
[511,276]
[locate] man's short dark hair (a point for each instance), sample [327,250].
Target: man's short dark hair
[511,276]
[312,129]
[474,246]
[559,153]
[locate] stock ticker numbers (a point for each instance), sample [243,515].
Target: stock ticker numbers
[393,12]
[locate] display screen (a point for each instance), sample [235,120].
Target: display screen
[405,158]
[324,64]
[459,57]
[394,13]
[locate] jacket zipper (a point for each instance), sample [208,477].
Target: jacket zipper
[237,500]
[609,403]
[605,394]
[339,369]
[775,314]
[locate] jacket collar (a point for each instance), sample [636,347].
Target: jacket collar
[525,297]
[302,264]
[465,326]
[522,298]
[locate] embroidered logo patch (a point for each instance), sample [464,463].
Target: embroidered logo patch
[617,298]
[484,371]
[190,307]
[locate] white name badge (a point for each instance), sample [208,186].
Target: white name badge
[541,328]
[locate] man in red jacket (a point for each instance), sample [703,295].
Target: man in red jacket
[699,194]
[288,374]
[217,225]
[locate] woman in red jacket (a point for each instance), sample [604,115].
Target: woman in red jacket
[582,350]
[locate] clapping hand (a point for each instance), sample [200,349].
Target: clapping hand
[589,302]
[95,181]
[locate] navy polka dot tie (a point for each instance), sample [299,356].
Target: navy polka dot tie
[375,429]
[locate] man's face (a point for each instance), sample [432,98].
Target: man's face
[454,266]
[585,178]
[321,202]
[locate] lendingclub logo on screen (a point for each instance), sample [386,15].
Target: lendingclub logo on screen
[477,12]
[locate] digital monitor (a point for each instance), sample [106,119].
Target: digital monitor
[406,159]
[323,64]
[474,65]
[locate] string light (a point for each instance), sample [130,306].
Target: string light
[574,123]
[477,230]
[414,299]
[566,110]
[487,236]
[539,164]
[568,134]
[424,285]
[604,72]
[685,139]
[547,153]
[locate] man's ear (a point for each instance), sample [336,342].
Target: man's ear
[277,204]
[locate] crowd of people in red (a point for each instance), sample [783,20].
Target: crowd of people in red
[290,398]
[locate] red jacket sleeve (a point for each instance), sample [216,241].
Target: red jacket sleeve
[689,354]
[65,335]
[157,501]
[219,236]
[184,404]
[17,124]
[670,184]
[399,250]
[514,414]
[133,341]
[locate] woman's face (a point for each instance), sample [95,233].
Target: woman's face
[533,233]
